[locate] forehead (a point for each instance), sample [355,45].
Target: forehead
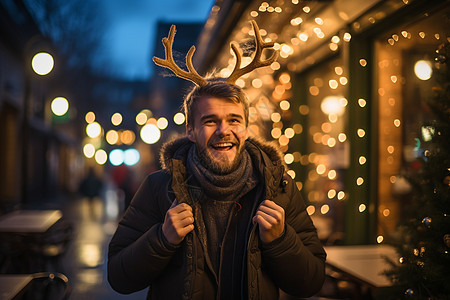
[218,107]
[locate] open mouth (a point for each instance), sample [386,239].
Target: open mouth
[223,146]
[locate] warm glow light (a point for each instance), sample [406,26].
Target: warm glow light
[284,78]
[332,174]
[276,133]
[116,119]
[341,195]
[311,210]
[297,128]
[162,123]
[333,84]
[303,109]
[380,239]
[60,106]
[320,169]
[285,105]
[362,102]
[257,83]
[112,137]
[93,130]
[289,132]
[275,117]
[362,160]
[361,132]
[89,117]
[347,37]
[91,255]
[150,133]
[331,194]
[359,181]
[324,209]
[127,137]
[331,105]
[362,207]
[363,62]
[291,173]
[283,140]
[288,158]
[397,123]
[423,69]
[342,137]
[101,156]
[179,118]
[303,37]
[89,150]
[42,63]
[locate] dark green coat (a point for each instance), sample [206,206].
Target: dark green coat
[139,256]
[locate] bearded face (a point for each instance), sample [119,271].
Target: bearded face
[219,131]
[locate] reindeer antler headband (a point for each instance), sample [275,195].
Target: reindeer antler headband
[193,76]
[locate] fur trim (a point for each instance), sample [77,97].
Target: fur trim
[169,149]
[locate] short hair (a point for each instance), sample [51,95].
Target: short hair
[218,88]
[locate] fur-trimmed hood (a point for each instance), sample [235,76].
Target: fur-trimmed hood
[178,148]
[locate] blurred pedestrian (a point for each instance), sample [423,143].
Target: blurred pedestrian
[91,185]
[223,219]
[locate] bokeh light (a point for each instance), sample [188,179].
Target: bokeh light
[131,157]
[116,157]
[150,134]
[89,150]
[42,63]
[116,119]
[93,130]
[101,156]
[60,106]
[179,118]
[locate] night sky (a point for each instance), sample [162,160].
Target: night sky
[129,38]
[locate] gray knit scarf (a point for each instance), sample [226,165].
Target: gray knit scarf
[222,187]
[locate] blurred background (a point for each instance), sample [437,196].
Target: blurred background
[84,111]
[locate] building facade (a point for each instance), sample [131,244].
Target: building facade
[346,100]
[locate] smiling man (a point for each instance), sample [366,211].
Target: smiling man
[222,220]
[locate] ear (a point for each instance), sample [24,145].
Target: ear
[190,133]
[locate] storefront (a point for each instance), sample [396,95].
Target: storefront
[346,100]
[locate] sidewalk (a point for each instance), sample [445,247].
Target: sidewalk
[85,262]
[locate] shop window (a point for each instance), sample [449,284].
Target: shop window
[324,157]
[405,75]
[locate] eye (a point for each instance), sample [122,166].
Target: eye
[209,122]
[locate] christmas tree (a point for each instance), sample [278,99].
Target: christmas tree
[423,270]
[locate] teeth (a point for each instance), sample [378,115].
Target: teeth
[223,145]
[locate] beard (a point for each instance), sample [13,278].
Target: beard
[220,165]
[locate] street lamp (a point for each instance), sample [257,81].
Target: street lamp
[42,64]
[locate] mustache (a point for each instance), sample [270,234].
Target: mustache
[224,140]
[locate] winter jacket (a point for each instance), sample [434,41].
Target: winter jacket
[140,257]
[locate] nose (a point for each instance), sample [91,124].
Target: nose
[223,129]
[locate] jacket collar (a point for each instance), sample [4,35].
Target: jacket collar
[266,157]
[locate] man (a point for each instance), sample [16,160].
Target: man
[222,220]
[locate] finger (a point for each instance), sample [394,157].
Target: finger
[181,208]
[185,230]
[271,204]
[268,217]
[269,212]
[263,223]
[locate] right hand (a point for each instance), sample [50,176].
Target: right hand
[179,221]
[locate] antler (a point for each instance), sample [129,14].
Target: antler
[169,63]
[256,62]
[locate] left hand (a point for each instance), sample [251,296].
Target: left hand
[270,218]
